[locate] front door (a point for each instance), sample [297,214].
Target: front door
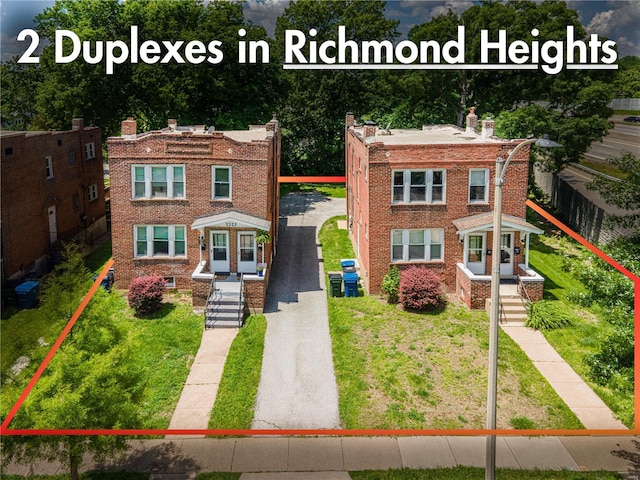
[219,251]
[506,254]
[475,259]
[247,252]
[53,224]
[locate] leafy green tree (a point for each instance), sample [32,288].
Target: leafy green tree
[315,102]
[91,383]
[19,87]
[624,194]
[627,82]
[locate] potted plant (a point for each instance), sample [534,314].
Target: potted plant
[262,238]
[260,269]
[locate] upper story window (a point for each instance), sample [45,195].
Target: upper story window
[426,186]
[48,168]
[417,245]
[221,179]
[92,192]
[72,157]
[90,150]
[158,181]
[159,240]
[479,185]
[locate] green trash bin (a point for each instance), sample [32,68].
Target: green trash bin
[335,284]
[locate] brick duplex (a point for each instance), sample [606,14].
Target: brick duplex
[209,192]
[426,197]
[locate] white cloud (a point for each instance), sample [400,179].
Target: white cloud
[619,23]
[265,12]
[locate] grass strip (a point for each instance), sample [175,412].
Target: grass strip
[235,401]
[473,473]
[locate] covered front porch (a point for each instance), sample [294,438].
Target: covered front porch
[233,247]
[473,274]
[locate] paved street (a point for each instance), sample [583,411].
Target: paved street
[297,385]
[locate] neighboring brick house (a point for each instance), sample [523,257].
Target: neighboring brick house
[52,190]
[425,197]
[187,203]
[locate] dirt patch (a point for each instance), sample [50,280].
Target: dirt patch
[20,364]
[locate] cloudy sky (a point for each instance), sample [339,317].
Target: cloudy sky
[615,19]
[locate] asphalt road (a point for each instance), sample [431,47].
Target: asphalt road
[297,387]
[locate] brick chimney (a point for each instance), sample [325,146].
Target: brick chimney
[172,123]
[472,121]
[128,127]
[370,128]
[350,120]
[77,124]
[487,128]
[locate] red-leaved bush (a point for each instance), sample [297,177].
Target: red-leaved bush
[145,294]
[419,289]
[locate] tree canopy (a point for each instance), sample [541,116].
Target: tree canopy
[311,105]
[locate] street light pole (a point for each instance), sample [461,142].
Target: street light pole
[494,312]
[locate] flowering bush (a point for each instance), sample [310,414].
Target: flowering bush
[419,289]
[145,294]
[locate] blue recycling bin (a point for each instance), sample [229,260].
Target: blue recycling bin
[350,280]
[348,266]
[107,281]
[27,293]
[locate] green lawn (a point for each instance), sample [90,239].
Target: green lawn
[473,473]
[404,370]
[335,190]
[235,401]
[548,253]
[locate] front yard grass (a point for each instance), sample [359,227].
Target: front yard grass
[235,401]
[401,370]
[472,473]
[584,336]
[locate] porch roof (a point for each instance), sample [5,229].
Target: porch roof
[231,219]
[484,222]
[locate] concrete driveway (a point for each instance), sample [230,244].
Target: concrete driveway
[297,386]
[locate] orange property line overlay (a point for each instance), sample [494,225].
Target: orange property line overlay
[4,430]
[312,179]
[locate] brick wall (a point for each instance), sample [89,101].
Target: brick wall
[457,159]
[253,192]
[472,293]
[28,196]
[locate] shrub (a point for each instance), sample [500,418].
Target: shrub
[145,294]
[546,315]
[613,364]
[390,284]
[419,289]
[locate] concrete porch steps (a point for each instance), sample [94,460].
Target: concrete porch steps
[513,311]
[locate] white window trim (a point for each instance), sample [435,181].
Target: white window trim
[486,185]
[90,150]
[406,186]
[92,192]
[49,166]
[172,240]
[427,246]
[213,183]
[170,281]
[147,182]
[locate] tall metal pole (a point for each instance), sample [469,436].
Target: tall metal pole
[494,312]
[492,389]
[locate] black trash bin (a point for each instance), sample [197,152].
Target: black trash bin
[27,293]
[335,284]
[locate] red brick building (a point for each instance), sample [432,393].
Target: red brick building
[52,190]
[425,197]
[187,203]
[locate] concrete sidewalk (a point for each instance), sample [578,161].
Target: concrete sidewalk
[587,406]
[297,387]
[200,389]
[268,458]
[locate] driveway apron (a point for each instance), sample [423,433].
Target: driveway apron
[297,387]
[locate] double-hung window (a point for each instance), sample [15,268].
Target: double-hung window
[158,181]
[48,167]
[159,241]
[424,245]
[418,186]
[221,183]
[92,192]
[479,185]
[89,150]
